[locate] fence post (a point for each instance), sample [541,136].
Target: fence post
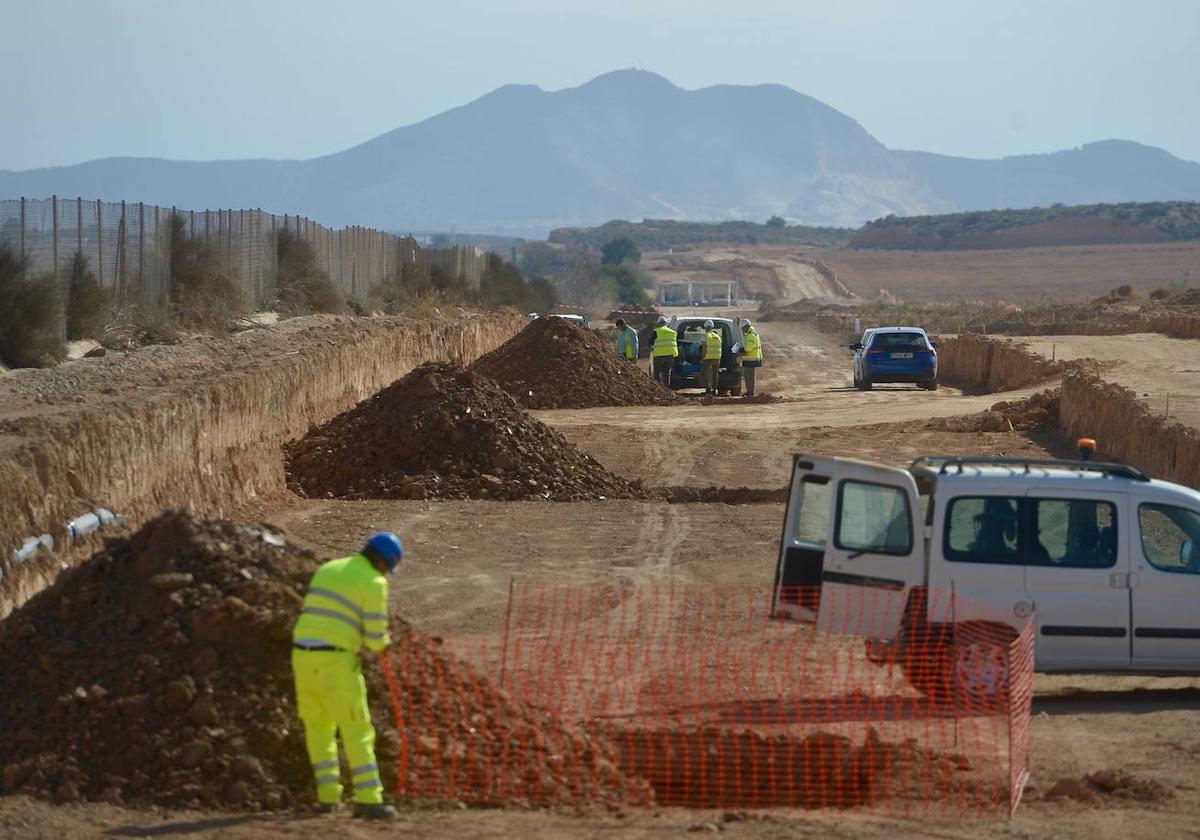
[79,225]
[141,251]
[504,633]
[99,243]
[54,228]
[122,256]
[22,227]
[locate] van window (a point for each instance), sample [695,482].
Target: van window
[813,522]
[1170,538]
[874,518]
[1074,534]
[983,529]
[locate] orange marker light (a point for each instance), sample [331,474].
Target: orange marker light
[1087,448]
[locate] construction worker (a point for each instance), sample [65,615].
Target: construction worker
[344,611]
[710,364]
[627,340]
[664,347]
[750,357]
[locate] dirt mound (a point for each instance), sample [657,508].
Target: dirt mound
[1115,783]
[444,432]
[1027,415]
[721,767]
[553,363]
[159,673]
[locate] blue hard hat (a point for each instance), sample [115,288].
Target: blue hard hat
[388,546]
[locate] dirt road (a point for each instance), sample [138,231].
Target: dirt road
[1156,367]
[462,556]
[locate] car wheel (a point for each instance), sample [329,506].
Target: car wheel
[866,384]
[931,385]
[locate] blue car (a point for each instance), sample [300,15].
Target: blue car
[895,354]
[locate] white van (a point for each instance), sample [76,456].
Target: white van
[1104,560]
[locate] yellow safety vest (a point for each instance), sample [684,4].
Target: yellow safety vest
[753,344]
[712,345]
[346,607]
[665,342]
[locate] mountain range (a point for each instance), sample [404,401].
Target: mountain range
[628,144]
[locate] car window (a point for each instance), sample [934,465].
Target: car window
[983,529]
[1075,533]
[1170,537]
[899,341]
[874,518]
[812,526]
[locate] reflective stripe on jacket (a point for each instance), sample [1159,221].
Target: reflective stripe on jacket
[712,345]
[627,343]
[753,344]
[665,342]
[346,606]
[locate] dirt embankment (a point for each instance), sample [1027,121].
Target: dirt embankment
[984,365]
[197,426]
[1127,431]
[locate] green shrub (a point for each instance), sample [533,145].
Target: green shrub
[202,295]
[302,287]
[31,315]
[88,303]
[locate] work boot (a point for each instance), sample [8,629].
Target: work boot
[375,812]
[328,807]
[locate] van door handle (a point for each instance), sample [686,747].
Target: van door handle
[1119,580]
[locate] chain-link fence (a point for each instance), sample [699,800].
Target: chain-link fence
[127,246]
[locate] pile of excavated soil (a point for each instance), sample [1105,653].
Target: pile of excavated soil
[444,432]
[1035,412]
[553,363]
[158,673]
[726,768]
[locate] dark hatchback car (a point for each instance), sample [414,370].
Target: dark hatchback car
[895,354]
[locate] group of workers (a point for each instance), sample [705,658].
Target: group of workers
[664,349]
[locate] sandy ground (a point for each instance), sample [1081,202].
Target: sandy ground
[779,272]
[1164,372]
[463,555]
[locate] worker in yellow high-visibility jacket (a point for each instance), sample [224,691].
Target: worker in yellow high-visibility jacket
[664,347]
[710,363]
[344,611]
[751,357]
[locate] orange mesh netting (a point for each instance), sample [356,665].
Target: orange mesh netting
[697,692]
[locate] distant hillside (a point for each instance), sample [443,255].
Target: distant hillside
[522,161]
[1091,224]
[661,234]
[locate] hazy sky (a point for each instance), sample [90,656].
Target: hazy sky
[200,79]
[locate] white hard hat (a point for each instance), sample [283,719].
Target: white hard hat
[745,322]
[708,325]
[662,320]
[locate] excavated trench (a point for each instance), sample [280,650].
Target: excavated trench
[197,426]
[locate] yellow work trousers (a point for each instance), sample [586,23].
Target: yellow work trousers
[331,698]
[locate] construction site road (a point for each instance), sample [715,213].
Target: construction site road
[462,556]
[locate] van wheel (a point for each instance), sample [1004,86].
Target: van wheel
[965,669]
[736,390]
[865,384]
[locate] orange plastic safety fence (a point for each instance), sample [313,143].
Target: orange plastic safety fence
[695,696]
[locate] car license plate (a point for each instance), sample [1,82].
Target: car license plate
[902,355]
